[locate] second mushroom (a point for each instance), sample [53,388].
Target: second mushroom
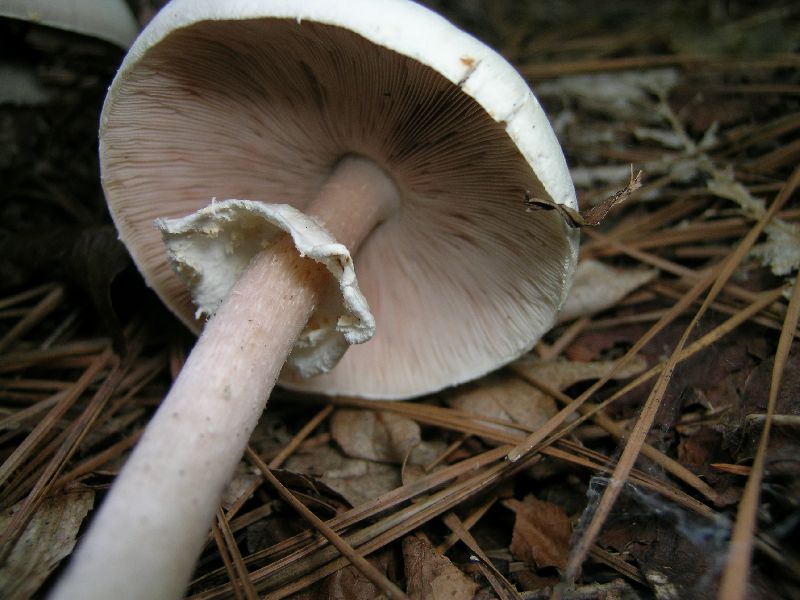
[323,173]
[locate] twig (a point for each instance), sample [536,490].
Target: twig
[468,523]
[26,295]
[98,460]
[536,438]
[362,564]
[734,578]
[595,215]
[625,63]
[467,467]
[16,361]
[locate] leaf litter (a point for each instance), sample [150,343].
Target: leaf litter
[541,533]
[423,489]
[47,540]
[431,575]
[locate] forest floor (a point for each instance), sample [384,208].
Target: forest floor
[657,426]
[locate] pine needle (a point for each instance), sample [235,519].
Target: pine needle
[637,436]
[737,570]
[362,564]
[229,547]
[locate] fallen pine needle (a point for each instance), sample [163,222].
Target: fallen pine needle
[737,570]
[362,564]
[637,436]
[229,547]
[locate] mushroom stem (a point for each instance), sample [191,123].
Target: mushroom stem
[151,527]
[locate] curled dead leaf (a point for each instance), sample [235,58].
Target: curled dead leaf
[431,576]
[541,533]
[597,287]
[505,398]
[356,479]
[561,374]
[377,436]
[593,216]
[48,538]
[350,584]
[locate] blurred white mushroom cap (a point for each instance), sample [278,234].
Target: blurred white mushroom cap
[109,20]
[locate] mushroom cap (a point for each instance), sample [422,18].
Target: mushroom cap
[109,20]
[259,99]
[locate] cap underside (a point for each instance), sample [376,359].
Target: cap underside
[460,279]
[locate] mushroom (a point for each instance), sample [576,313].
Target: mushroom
[371,130]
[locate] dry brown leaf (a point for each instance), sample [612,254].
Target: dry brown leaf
[561,374]
[426,452]
[508,398]
[378,436]
[241,484]
[48,538]
[356,479]
[597,287]
[416,467]
[594,215]
[431,576]
[541,533]
[505,397]
[350,584]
